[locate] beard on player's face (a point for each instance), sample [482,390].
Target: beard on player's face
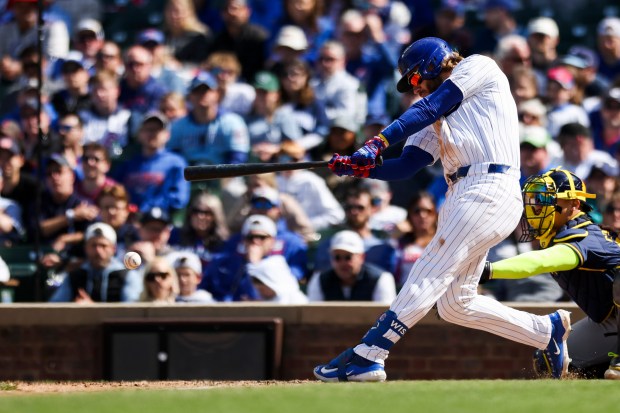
[428,86]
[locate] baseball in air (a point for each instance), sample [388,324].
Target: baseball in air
[132,260]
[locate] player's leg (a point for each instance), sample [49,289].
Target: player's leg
[469,224]
[613,372]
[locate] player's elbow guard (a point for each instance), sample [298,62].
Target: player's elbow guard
[487,273]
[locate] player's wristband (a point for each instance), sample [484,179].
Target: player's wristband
[384,140]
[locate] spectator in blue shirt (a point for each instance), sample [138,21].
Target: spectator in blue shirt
[206,135]
[154,177]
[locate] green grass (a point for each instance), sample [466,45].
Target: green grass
[497,396]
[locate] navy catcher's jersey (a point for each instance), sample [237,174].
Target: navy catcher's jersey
[590,284]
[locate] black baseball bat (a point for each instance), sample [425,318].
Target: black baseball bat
[206,172]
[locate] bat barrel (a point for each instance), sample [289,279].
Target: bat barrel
[207,172]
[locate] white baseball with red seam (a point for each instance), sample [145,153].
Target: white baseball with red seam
[132,260]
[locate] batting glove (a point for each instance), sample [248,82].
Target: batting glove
[366,156]
[340,165]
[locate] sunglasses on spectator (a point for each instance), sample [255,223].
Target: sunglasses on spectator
[85,37]
[106,56]
[151,276]
[611,105]
[64,128]
[611,209]
[198,211]
[326,58]
[133,64]
[342,257]
[351,207]
[260,237]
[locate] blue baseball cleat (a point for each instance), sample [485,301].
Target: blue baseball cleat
[554,359]
[348,366]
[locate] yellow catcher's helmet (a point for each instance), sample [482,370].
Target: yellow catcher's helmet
[540,194]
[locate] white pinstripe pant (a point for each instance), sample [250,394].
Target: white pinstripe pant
[479,212]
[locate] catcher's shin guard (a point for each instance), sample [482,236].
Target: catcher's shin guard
[613,371]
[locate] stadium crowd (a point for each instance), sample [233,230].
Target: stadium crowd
[134,91]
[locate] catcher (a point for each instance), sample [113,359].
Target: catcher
[582,257]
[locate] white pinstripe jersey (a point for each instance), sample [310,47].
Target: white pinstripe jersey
[485,126]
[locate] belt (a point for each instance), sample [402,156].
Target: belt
[493,168]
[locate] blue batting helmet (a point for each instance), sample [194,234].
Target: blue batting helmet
[421,60]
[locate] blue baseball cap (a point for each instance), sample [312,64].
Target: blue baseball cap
[203,78]
[151,35]
[509,5]
[455,6]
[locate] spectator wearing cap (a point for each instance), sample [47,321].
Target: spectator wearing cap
[579,154]
[21,32]
[237,96]
[228,278]
[602,181]
[608,47]
[265,201]
[310,18]
[535,157]
[340,91]
[12,231]
[341,138]
[63,216]
[499,21]
[106,121]
[165,69]
[140,91]
[269,124]
[101,277]
[310,191]
[18,184]
[155,227]
[291,212]
[187,38]
[307,110]
[88,40]
[75,96]
[369,56]
[532,112]
[246,40]
[188,269]
[605,122]
[206,135]
[154,177]
[290,45]
[560,92]
[358,210]
[583,62]
[449,24]
[543,38]
[349,277]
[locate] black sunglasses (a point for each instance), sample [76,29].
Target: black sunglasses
[342,257]
[350,207]
[151,276]
[252,237]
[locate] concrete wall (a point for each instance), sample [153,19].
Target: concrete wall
[65,341]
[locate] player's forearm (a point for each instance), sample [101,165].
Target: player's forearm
[554,259]
[423,113]
[408,164]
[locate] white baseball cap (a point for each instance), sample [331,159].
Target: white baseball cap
[101,229]
[347,241]
[186,259]
[292,37]
[609,26]
[544,25]
[259,223]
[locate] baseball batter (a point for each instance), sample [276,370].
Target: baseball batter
[466,118]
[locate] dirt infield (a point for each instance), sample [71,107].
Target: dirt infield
[14,387]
